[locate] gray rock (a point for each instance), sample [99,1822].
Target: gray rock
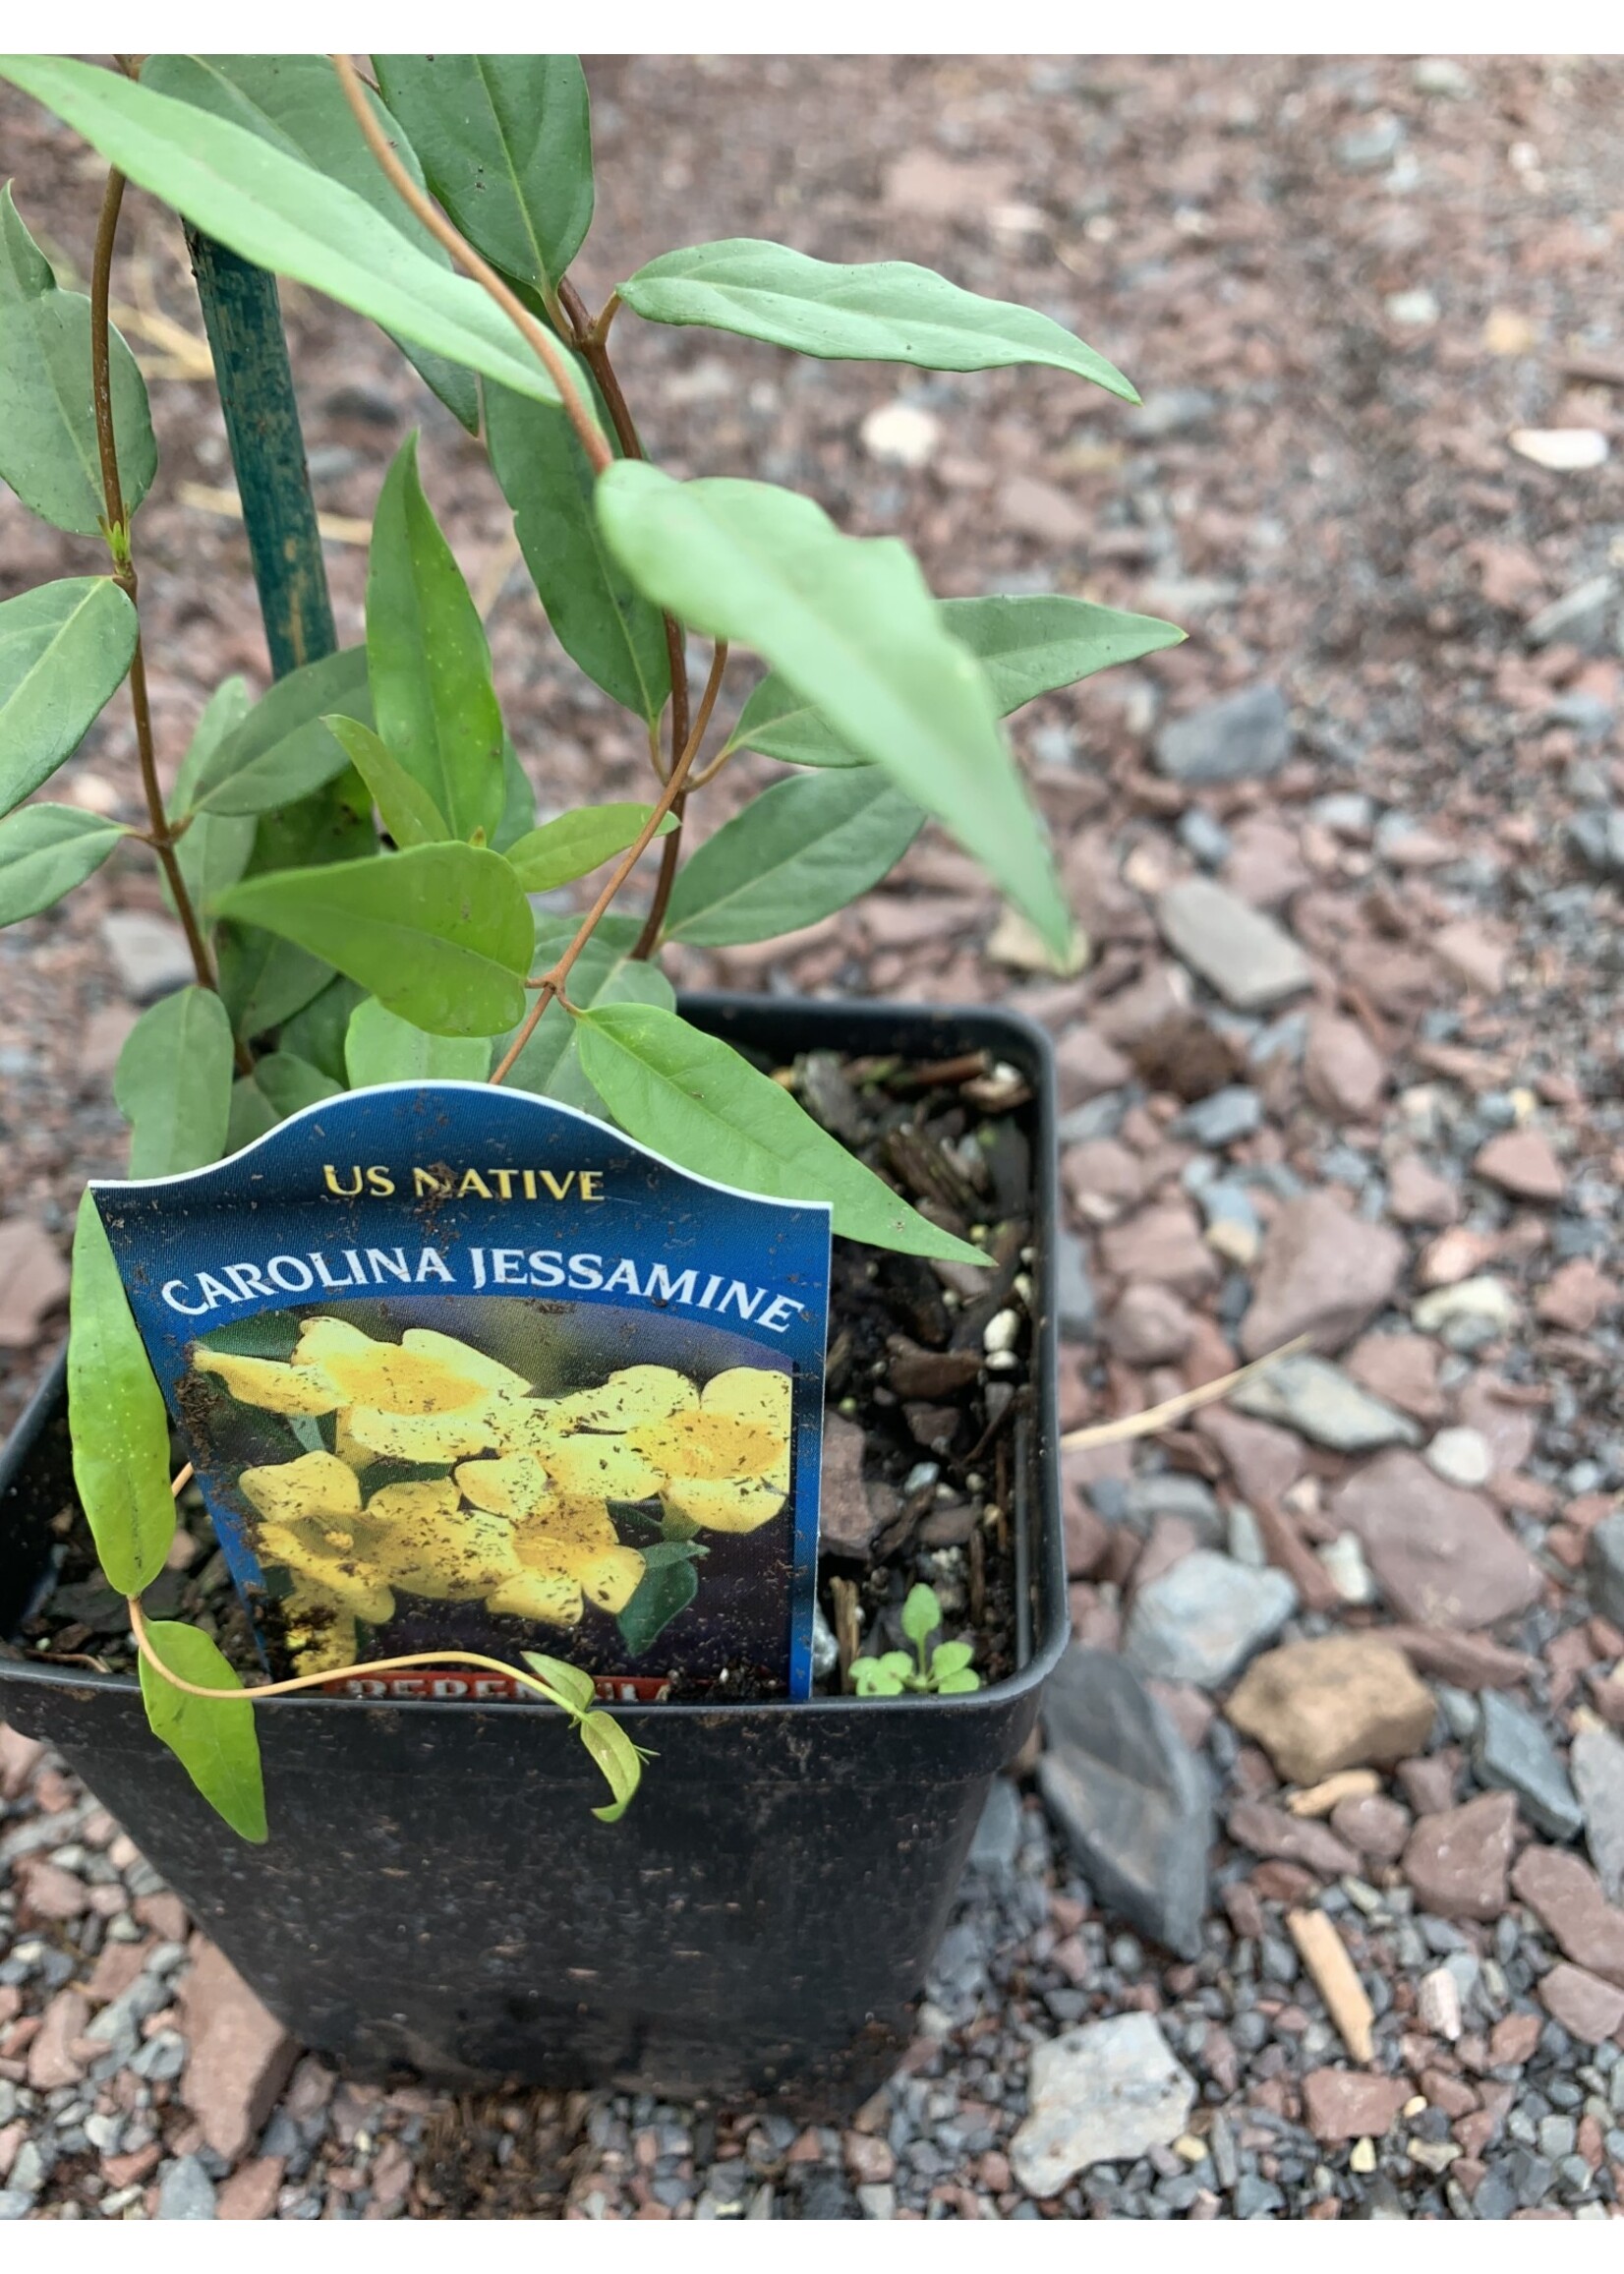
[997,1840]
[1596,1761]
[1204,839]
[1244,737]
[1463,1456]
[1577,620]
[1204,1619]
[1134,1801]
[185,2190]
[1513,1754]
[1318,1400]
[1170,411]
[1598,837]
[1604,1567]
[1370,147]
[1243,954]
[1076,1310]
[13,2204]
[149,953]
[1442,75]
[1227,1212]
[1170,1493]
[1223,1118]
[1102,2094]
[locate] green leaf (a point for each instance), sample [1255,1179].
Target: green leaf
[869,312]
[696,1101]
[47,850]
[214,1740]
[505,142]
[618,1759]
[318,1034]
[173,1083]
[1028,644]
[271,208]
[408,812]
[921,1613]
[665,1591]
[871,1680]
[571,1683]
[600,618]
[442,935]
[47,420]
[63,648]
[950,1657]
[852,626]
[265,980]
[897,1662]
[550,1065]
[383,1048]
[427,659]
[284,749]
[252,1114]
[803,849]
[953,1686]
[518,814]
[216,846]
[116,1418]
[289,1082]
[578,842]
[294,104]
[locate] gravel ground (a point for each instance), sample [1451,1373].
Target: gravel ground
[1344,1061]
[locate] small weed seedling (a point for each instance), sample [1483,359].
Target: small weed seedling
[945,1671]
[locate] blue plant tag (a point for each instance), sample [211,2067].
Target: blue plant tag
[461,1368]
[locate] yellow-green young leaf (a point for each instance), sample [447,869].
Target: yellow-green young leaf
[571,1683]
[216,847]
[214,1740]
[921,1613]
[284,749]
[600,619]
[618,1759]
[428,663]
[850,623]
[549,1063]
[296,104]
[1028,644]
[408,812]
[116,1418]
[47,417]
[798,853]
[505,142]
[578,842]
[272,208]
[63,649]
[442,935]
[380,1048]
[695,1101]
[173,1083]
[47,850]
[869,312]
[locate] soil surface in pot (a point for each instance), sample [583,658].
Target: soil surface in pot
[927,1384]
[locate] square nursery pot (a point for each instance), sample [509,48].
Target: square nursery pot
[434,1895]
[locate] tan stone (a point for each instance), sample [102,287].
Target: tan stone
[1343,1702]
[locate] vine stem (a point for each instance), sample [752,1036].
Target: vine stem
[552,983]
[158,833]
[535,335]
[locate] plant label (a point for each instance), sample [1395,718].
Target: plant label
[463,1370]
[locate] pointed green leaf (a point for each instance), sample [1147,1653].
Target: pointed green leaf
[600,619]
[408,812]
[800,850]
[252,1114]
[214,1740]
[383,1048]
[318,1031]
[505,142]
[173,1083]
[921,1613]
[271,208]
[290,1083]
[578,842]
[294,104]
[571,1683]
[442,935]
[428,663]
[550,1065]
[851,626]
[695,1101]
[63,648]
[284,749]
[47,418]
[116,1418]
[1028,644]
[518,814]
[47,850]
[618,1759]
[665,1591]
[265,980]
[216,846]
[869,312]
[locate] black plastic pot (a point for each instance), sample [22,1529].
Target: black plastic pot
[434,1894]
